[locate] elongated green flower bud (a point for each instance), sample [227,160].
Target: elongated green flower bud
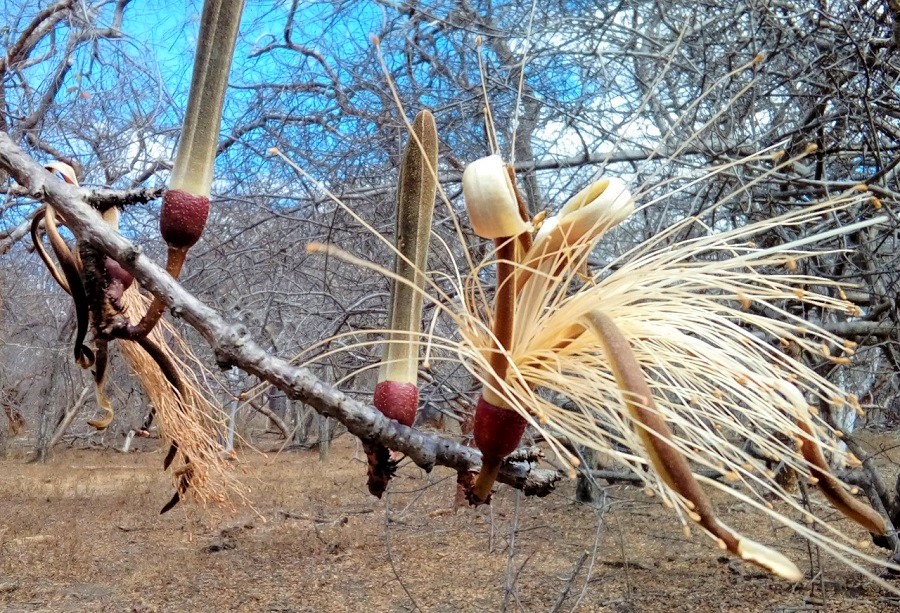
[186,204]
[193,170]
[397,395]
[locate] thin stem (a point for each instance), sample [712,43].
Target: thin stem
[486,478]
[174,263]
[504,315]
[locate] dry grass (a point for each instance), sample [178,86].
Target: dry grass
[83,533]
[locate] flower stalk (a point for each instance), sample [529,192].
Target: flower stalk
[496,211]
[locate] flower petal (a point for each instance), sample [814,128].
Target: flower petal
[585,217]
[491,199]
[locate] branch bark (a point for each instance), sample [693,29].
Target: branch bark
[234,347]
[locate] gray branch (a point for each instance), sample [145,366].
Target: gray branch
[233,346]
[14,235]
[104,199]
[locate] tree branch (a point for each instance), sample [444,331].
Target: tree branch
[234,347]
[104,199]
[856,329]
[10,237]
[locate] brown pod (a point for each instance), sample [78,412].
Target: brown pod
[397,400]
[183,218]
[497,431]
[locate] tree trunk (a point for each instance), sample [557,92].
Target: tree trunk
[229,434]
[51,412]
[303,417]
[324,437]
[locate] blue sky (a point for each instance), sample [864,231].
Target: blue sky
[172,34]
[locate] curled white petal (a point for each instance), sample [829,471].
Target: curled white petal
[769,559]
[585,217]
[65,171]
[607,199]
[491,199]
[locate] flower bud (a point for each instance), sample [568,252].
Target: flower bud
[491,199]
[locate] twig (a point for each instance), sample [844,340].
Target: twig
[557,604]
[510,583]
[387,546]
[630,477]
[602,508]
[262,409]
[815,566]
[69,417]
[104,199]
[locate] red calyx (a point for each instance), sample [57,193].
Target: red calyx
[183,218]
[497,431]
[397,400]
